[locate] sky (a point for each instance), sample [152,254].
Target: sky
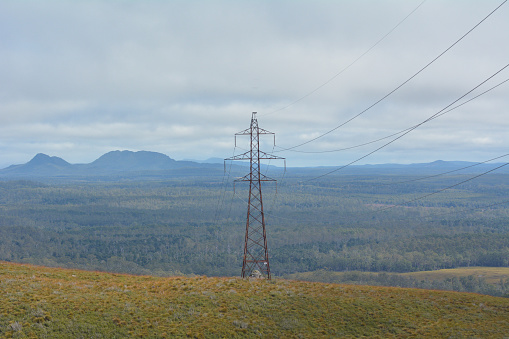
[82,78]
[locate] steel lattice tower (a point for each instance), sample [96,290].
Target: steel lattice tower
[256,256]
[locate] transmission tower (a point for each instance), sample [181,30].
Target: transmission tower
[256,256]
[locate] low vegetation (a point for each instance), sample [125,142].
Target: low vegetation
[59,303]
[486,280]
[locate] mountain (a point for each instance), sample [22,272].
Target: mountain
[44,160]
[113,165]
[40,165]
[145,165]
[117,161]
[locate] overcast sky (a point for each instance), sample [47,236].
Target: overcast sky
[82,78]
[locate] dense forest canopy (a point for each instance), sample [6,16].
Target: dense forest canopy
[196,226]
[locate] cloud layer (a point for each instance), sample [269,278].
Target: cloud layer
[181,77]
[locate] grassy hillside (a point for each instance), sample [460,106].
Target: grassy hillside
[56,303]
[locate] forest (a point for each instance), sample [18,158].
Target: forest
[195,226]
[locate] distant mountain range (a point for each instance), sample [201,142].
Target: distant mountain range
[128,165]
[111,165]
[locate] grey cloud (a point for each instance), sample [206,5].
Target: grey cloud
[175,76]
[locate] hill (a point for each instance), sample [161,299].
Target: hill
[58,303]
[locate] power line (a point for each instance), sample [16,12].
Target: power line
[402,84]
[222,197]
[439,113]
[397,133]
[440,174]
[455,211]
[443,189]
[473,209]
[404,132]
[351,64]
[300,219]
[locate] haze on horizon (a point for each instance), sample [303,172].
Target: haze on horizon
[80,79]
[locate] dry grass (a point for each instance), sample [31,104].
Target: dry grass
[39,302]
[491,274]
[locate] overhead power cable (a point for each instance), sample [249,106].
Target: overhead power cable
[397,133]
[222,197]
[440,174]
[301,219]
[402,84]
[414,127]
[443,189]
[350,65]
[434,215]
[472,209]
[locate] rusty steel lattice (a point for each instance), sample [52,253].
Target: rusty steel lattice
[256,256]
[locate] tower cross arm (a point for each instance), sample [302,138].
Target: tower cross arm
[267,156]
[249,177]
[250,130]
[244,132]
[243,156]
[263,131]
[247,156]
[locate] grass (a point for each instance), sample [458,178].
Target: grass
[491,274]
[38,302]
